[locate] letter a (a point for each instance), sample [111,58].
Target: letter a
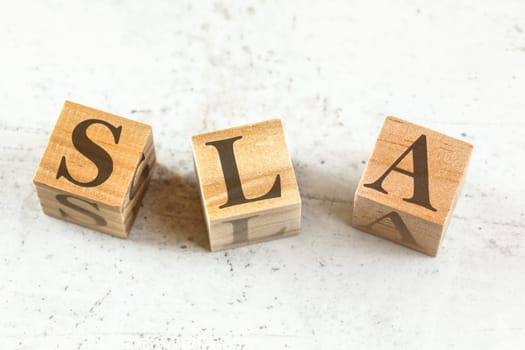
[399,225]
[420,195]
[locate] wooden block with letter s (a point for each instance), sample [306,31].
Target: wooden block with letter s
[410,185]
[95,169]
[247,184]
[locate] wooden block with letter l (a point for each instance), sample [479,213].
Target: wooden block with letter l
[247,184]
[95,169]
[410,185]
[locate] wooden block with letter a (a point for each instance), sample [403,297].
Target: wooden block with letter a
[247,184]
[410,185]
[95,169]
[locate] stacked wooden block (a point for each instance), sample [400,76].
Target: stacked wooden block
[95,169]
[410,185]
[247,184]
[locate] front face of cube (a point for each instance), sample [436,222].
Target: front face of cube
[95,169]
[247,184]
[410,184]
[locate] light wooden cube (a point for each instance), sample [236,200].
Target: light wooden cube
[410,185]
[247,184]
[95,169]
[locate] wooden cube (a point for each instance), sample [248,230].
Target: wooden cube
[247,184]
[410,185]
[95,169]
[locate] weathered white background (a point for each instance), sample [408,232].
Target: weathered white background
[332,71]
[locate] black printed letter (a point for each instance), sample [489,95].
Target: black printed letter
[232,178]
[92,151]
[399,225]
[420,195]
[240,229]
[64,199]
[135,183]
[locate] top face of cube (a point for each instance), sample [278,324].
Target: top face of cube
[415,170]
[247,162]
[93,154]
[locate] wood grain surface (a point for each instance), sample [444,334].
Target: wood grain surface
[410,186]
[98,176]
[246,179]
